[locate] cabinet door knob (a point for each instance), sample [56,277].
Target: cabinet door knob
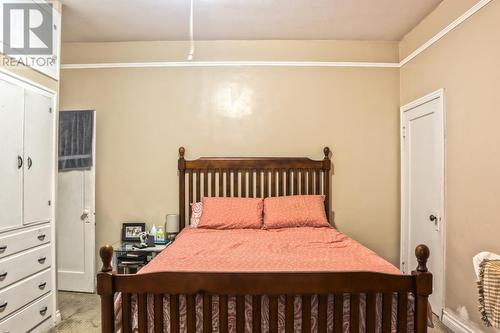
[19,162]
[42,285]
[3,276]
[42,260]
[3,306]
[30,162]
[3,248]
[43,311]
[41,237]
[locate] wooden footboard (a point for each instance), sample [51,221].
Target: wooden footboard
[225,285]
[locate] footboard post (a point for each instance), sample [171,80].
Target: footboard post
[181,165]
[105,290]
[423,287]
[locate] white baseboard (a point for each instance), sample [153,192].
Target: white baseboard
[57,317]
[455,324]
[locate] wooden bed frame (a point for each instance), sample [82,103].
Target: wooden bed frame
[260,177]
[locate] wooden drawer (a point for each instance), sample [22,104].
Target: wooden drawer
[29,317]
[22,240]
[23,292]
[21,265]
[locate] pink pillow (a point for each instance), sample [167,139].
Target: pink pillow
[295,211]
[196,211]
[231,213]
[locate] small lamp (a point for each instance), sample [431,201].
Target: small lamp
[172,225]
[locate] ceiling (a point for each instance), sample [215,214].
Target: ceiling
[134,20]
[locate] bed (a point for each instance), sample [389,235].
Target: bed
[285,280]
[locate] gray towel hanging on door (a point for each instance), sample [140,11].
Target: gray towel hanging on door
[75,140]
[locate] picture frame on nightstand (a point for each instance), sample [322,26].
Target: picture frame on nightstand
[132,230]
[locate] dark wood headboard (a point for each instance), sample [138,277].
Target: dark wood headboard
[254,177]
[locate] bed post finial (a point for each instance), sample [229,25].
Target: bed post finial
[106,254]
[423,280]
[181,152]
[422,253]
[326,151]
[105,289]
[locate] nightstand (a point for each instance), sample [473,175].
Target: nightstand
[129,260]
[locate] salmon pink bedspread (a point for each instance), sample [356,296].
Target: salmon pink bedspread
[301,249]
[257,250]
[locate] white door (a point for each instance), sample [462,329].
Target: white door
[76,228]
[11,148]
[38,157]
[422,184]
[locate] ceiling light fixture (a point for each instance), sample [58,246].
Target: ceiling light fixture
[191,33]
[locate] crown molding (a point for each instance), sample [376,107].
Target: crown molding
[231,64]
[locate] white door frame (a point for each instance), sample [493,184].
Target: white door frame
[92,208]
[93,213]
[404,251]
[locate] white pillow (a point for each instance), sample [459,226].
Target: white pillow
[196,210]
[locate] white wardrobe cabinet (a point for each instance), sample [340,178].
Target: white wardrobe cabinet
[27,167]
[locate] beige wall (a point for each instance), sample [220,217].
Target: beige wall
[466,64]
[236,50]
[144,115]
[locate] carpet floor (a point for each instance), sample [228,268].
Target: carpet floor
[80,313]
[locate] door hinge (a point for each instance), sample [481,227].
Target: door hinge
[403,132]
[50,110]
[50,202]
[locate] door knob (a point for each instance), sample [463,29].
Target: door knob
[433,218]
[85,215]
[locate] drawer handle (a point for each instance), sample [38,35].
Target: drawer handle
[43,311]
[42,260]
[41,237]
[3,306]
[3,248]
[42,285]
[3,276]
